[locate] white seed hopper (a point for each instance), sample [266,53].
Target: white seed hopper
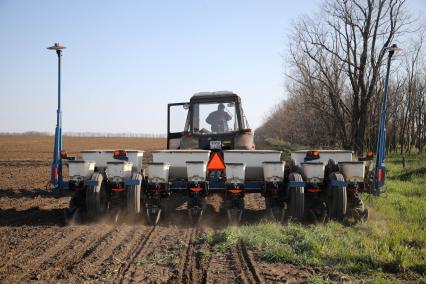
[118,170]
[253,159]
[325,155]
[101,157]
[80,169]
[196,171]
[353,171]
[178,158]
[158,172]
[235,172]
[314,171]
[273,171]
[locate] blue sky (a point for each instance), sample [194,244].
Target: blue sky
[124,62]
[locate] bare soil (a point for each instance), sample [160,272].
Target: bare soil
[37,246]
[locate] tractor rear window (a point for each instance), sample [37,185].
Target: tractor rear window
[214,118]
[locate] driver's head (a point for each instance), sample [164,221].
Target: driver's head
[221,107]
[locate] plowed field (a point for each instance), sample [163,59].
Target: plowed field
[37,246]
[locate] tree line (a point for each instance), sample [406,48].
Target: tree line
[336,64]
[87,134]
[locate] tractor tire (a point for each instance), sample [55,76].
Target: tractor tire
[73,216]
[296,203]
[134,196]
[337,198]
[96,202]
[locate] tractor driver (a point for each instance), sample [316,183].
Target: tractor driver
[219,119]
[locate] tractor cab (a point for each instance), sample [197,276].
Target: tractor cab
[210,121]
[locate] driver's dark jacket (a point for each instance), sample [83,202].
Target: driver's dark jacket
[218,119]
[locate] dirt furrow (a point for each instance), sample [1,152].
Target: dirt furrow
[200,255]
[221,268]
[162,259]
[34,239]
[77,266]
[22,264]
[90,265]
[251,265]
[185,267]
[110,268]
[124,272]
[53,263]
[244,265]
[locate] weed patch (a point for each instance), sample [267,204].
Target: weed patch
[283,146]
[392,241]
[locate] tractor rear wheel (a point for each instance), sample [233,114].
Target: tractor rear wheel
[96,202]
[337,198]
[134,195]
[296,204]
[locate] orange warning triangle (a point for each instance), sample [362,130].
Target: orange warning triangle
[216,163]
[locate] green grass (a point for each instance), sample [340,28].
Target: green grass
[167,257]
[316,280]
[392,241]
[283,146]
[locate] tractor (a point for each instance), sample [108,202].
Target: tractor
[210,150]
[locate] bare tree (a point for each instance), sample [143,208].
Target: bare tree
[413,108]
[336,78]
[342,52]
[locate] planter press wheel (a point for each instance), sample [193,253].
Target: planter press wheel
[196,212]
[275,208]
[153,215]
[153,211]
[96,201]
[234,211]
[337,198]
[296,203]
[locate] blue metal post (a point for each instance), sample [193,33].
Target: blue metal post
[56,173]
[379,174]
